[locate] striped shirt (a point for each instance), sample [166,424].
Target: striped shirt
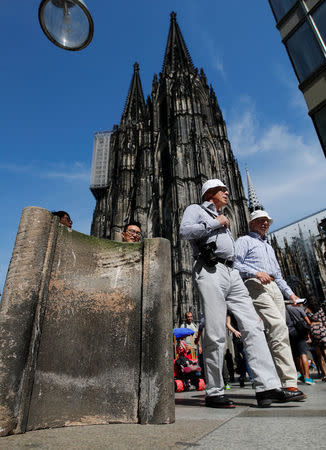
[199,226]
[254,254]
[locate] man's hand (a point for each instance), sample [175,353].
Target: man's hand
[224,221]
[263,277]
[294,299]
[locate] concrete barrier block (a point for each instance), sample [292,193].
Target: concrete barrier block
[156,403]
[86,330]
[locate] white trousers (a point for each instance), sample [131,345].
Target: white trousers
[221,289]
[269,303]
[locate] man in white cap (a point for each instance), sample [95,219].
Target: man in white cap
[258,267]
[222,289]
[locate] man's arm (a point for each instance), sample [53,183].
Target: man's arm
[241,251]
[196,226]
[304,315]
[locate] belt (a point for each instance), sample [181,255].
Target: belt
[250,278]
[226,262]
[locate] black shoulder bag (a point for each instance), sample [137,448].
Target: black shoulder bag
[207,251]
[301,326]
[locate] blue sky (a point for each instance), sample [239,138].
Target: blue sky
[53,101]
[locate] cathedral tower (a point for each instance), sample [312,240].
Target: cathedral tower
[159,157]
[253,202]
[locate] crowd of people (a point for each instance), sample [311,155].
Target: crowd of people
[307,351]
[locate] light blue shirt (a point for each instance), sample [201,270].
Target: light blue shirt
[200,226]
[254,254]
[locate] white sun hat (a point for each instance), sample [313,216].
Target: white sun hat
[209,184]
[258,214]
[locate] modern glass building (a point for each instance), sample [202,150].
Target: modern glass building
[302,25]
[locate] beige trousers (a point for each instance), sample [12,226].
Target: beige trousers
[269,304]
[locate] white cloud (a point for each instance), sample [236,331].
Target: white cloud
[76,171]
[287,167]
[243,134]
[218,64]
[248,136]
[214,54]
[16,168]
[68,176]
[293,185]
[287,78]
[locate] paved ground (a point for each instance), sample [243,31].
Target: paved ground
[288,426]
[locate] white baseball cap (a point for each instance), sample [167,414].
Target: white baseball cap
[209,184]
[260,213]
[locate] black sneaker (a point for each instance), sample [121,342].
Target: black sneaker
[219,401]
[266,398]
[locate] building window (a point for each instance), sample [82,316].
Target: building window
[281,7]
[305,52]
[319,119]
[319,17]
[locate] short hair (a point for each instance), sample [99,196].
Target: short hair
[188,312]
[60,213]
[313,304]
[137,224]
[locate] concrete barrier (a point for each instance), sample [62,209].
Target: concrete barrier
[85,330]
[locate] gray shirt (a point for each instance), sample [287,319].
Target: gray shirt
[200,226]
[298,312]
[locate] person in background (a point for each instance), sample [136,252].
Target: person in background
[228,358]
[317,317]
[189,371]
[192,326]
[198,343]
[240,352]
[64,218]
[131,232]
[298,343]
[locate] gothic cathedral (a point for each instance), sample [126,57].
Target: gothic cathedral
[160,155]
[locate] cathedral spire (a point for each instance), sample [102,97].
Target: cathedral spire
[134,109]
[176,53]
[253,201]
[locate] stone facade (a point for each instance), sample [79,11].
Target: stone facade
[160,155]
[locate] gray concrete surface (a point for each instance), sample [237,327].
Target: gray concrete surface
[283,426]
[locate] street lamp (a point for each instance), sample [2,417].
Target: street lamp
[67,23]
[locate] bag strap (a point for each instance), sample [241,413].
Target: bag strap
[212,215]
[227,229]
[209,212]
